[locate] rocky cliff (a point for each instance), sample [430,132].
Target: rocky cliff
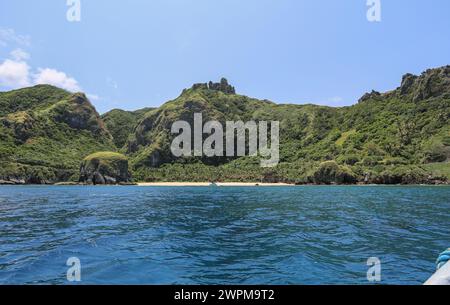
[105,168]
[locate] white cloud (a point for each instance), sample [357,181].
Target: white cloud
[56,78]
[93,97]
[8,36]
[19,55]
[14,74]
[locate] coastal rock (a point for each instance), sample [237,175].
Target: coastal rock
[330,172]
[98,178]
[5,182]
[406,174]
[109,180]
[69,183]
[104,168]
[12,181]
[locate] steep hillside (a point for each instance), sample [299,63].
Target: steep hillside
[402,136]
[385,138]
[121,123]
[45,132]
[149,145]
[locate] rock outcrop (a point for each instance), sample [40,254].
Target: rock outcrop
[105,168]
[222,86]
[431,83]
[374,95]
[407,83]
[78,113]
[330,172]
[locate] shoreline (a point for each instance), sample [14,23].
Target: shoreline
[219,184]
[209,184]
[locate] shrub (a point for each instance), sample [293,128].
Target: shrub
[107,164]
[437,153]
[395,161]
[446,140]
[371,161]
[349,159]
[330,172]
[402,175]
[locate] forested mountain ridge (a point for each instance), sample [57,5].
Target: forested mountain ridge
[401,136]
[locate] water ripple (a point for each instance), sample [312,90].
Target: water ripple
[303,235]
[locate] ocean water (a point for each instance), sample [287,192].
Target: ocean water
[215,235]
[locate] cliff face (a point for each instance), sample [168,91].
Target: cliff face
[431,83]
[104,168]
[77,112]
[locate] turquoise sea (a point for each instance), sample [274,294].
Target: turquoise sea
[222,235]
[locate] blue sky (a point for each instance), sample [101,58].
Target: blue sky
[139,53]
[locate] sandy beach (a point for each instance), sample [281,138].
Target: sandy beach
[219,184]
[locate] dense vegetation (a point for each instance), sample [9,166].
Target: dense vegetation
[121,123]
[385,138]
[104,167]
[402,136]
[45,132]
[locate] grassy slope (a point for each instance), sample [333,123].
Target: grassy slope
[105,155]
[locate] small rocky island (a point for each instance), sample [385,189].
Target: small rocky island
[105,168]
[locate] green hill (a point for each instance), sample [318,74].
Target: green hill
[121,123]
[385,138]
[402,136]
[45,132]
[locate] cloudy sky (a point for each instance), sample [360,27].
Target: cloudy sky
[140,53]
